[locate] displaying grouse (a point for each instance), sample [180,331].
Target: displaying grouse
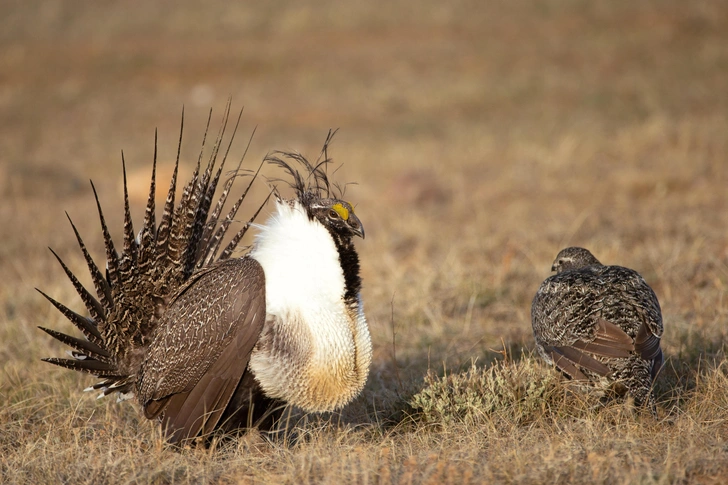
[205,341]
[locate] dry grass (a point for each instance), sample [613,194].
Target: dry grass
[483,139]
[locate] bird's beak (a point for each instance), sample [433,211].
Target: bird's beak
[355,225]
[553,267]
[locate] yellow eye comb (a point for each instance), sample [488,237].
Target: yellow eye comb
[341,210]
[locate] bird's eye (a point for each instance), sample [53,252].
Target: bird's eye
[333,214]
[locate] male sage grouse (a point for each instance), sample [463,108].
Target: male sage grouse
[594,321]
[205,341]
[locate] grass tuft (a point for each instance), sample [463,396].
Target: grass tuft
[521,391]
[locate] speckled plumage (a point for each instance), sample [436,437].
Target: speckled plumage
[194,333]
[594,321]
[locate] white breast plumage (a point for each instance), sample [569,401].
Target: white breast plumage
[314,352]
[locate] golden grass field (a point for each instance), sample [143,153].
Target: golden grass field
[484,137]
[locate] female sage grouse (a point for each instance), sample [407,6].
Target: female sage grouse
[206,341]
[594,321]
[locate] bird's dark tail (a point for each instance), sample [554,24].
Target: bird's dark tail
[132,292]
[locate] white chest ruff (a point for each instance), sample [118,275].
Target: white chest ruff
[314,352]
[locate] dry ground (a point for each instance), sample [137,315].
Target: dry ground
[484,138]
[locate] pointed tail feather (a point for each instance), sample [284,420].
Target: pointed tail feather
[103,290]
[86,325]
[129,253]
[92,304]
[148,233]
[165,225]
[217,238]
[209,228]
[85,347]
[151,268]
[236,239]
[95,367]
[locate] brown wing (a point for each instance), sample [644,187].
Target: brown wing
[609,341]
[202,348]
[647,344]
[648,338]
[568,360]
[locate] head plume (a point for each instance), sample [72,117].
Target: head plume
[312,182]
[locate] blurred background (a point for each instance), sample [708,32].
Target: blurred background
[483,136]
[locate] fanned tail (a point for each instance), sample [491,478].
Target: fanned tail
[153,265]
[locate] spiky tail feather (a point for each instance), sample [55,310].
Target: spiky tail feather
[131,295]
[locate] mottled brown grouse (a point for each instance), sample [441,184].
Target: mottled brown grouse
[594,321]
[205,341]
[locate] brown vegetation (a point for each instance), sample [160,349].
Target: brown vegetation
[484,137]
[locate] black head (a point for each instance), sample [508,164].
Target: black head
[322,199]
[573,258]
[324,202]
[337,216]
